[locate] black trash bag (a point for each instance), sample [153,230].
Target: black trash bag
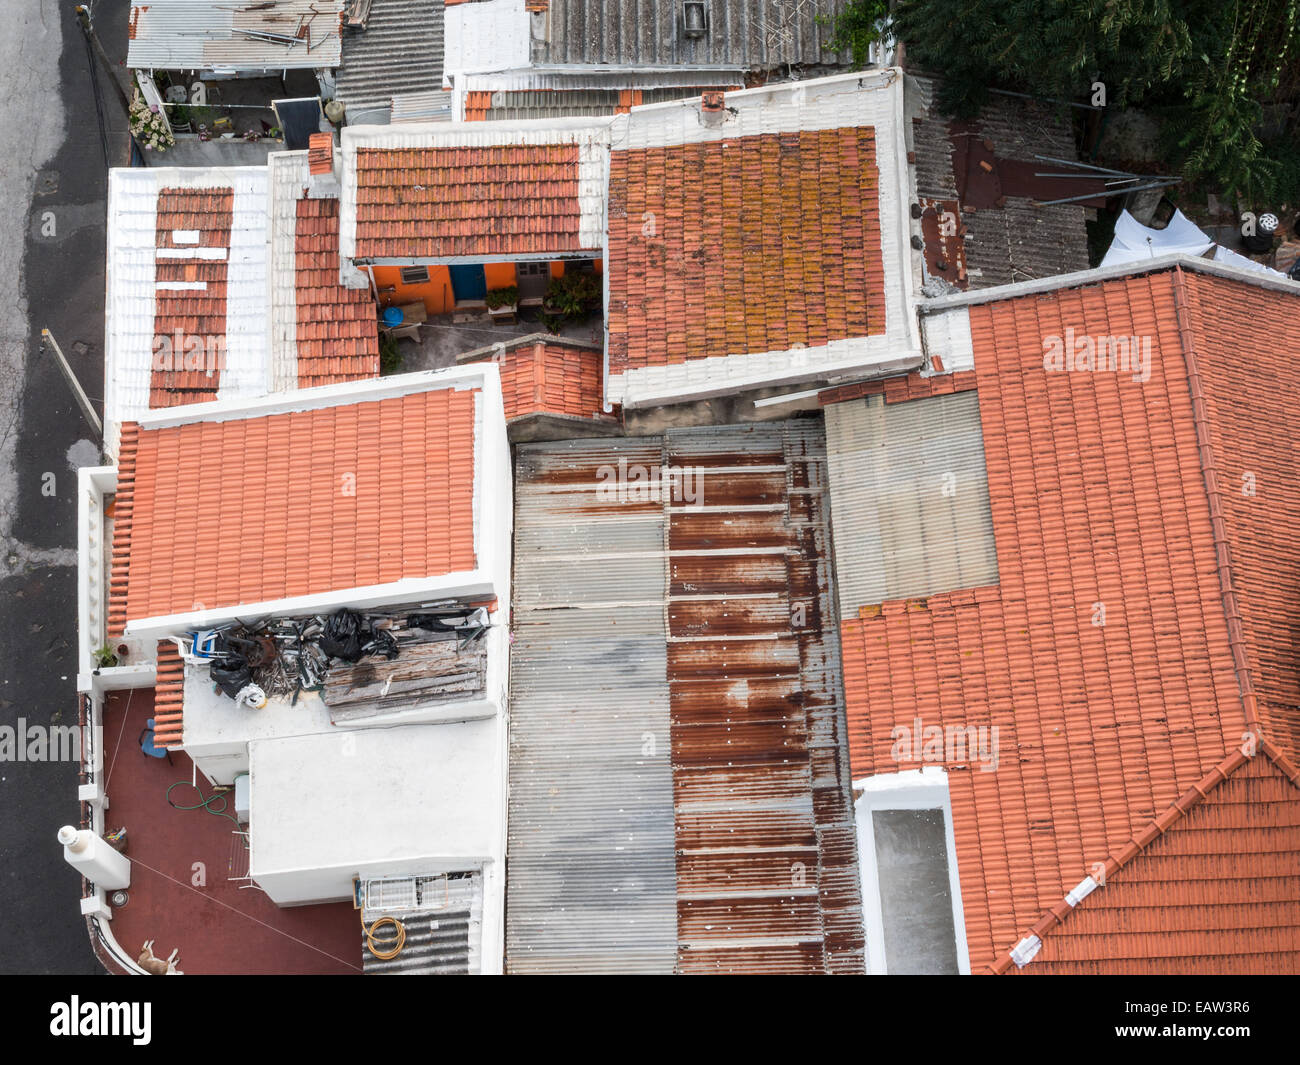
[382,642]
[345,635]
[231,674]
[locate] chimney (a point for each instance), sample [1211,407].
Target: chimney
[320,153]
[713,109]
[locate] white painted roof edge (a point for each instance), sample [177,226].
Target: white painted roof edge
[1108,273]
[866,79]
[288,173]
[463,585]
[482,375]
[862,358]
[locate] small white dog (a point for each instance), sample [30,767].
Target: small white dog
[155,965]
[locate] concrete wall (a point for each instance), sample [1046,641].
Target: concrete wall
[235,151]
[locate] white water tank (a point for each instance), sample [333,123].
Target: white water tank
[99,863]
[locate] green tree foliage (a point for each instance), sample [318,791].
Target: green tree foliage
[1212,68]
[857,28]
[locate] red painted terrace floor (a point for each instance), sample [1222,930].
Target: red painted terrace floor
[221,927]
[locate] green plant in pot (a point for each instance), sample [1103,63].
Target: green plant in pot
[105,657]
[572,296]
[498,299]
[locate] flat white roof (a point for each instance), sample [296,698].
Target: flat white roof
[375,798]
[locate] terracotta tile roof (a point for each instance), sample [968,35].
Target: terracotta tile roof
[1245,345]
[271,506]
[123,511]
[1219,884]
[320,153]
[550,377]
[169,696]
[1099,496]
[749,244]
[477,105]
[430,203]
[338,331]
[197,308]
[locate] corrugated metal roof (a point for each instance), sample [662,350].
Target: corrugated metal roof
[679,792]
[556,103]
[911,500]
[200,35]
[641,33]
[443,932]
[398,53]
[1018,241]
[591,882]
[421,106]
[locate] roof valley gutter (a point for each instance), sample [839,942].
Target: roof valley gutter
[1209,470]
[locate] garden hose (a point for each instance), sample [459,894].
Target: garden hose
[392,947]
[206,804]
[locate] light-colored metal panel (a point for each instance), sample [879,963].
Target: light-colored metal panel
[909,499]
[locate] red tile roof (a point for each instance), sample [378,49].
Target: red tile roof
[320,153]
[550,377]
[748,244]
[280,505]
[1220,885]
[1099,496]
[1246,343]
[122,512]
[432,203]
[338,331]
[169,696]
[183,315]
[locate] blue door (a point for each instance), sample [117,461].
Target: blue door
[468,282]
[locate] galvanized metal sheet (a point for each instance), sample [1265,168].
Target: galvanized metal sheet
[706,626]
[399,53]
[909,494]
[590,846]
[201,35]
[649,33]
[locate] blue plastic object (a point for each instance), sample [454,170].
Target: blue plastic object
[147,744]
[392,316]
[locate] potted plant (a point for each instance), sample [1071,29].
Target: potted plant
[105,657]
[571,297]
[503,303]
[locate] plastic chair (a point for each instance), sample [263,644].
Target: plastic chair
[147,746]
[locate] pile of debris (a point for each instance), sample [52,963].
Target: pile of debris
[250,662]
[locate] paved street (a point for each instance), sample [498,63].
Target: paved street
[53,160]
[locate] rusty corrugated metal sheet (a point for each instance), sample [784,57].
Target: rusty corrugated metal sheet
[710,625]
[201,35]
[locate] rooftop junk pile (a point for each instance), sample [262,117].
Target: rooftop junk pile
[251,662]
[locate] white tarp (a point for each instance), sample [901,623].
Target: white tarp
[1134,241]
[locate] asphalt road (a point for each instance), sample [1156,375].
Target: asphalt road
[54,154]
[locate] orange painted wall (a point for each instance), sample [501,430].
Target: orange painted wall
[436,294]
[499,275]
